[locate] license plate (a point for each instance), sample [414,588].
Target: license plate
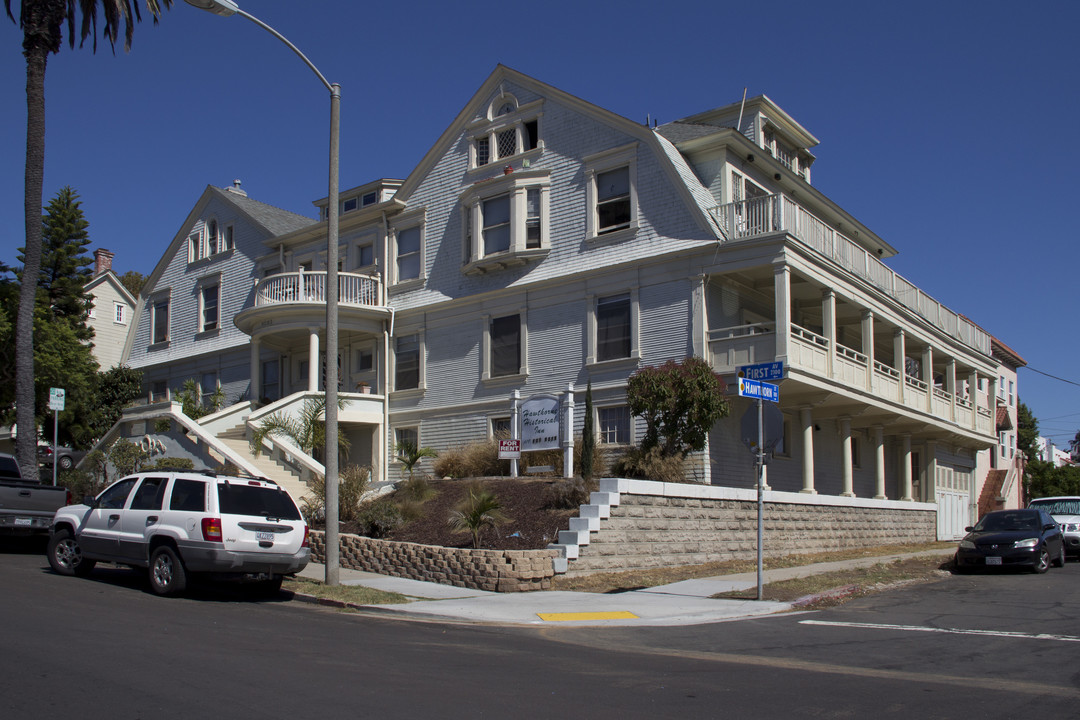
[23,522]
[993,561]
[264,536]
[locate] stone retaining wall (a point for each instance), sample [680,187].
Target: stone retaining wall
[647,531]
[494,570]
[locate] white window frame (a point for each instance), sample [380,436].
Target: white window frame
[196,241]
[517,186]
[492,126]
[165,298]
[119,313]
[592,332]
[404,224]
[414,430]
[204,284]
[614,159]
[523,348]
[421,383]
[369,239]
[601,438]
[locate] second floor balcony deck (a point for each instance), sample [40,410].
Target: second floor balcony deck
[296,300]
[310,287]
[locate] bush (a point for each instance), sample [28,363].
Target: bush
[79,482]
[171,463]
[416,489]
[650,464]
[570,493]
[480,508]
[379,518]
[479,459]
[353,483]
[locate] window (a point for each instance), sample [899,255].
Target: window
[613,327]
[159,391]
[365,360]
[407,362]
[364,253]
[208,308]
[207,388]
[406,436]
[195,246]
[160,322]
[505,346]
[227,239]
[150,494]
[613,425]
[119,315]
[271,380]
[500,428]
[188,496]
[504,221]
[115,497]
[613,200]
[1012,391]
[612,195]
[212,238]
[408,253]
[509,130]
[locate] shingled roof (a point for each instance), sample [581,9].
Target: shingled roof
[274,219]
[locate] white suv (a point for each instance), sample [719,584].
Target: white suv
[1066,513]
[180,522]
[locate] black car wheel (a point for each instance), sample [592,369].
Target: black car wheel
[66,463]
[1059,561]
[1042,563]
[65,555]
[167,574]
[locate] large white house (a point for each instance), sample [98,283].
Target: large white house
[544,242]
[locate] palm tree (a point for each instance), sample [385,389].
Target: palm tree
[42,24]
[480,509]
[410,453]
[307,430]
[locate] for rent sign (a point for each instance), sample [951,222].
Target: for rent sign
[540,423]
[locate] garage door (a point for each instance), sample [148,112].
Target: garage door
[953,501]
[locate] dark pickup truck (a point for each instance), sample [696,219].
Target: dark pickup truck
[27,506]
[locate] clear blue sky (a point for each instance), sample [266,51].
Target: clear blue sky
[947,127]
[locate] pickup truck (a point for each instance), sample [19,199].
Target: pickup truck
[27,506]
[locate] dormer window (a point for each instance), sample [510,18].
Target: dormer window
[511,130]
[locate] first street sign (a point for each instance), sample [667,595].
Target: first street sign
[763,371]
[761,390]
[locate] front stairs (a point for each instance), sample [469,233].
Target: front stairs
[236,439]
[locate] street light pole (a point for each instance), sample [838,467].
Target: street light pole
[225,8]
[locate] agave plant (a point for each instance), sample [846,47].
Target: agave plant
[480,509]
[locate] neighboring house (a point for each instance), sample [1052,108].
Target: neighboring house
[1001,468]
[1048,452]
[112,311]
[544,242]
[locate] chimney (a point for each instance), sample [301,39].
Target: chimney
[102,261]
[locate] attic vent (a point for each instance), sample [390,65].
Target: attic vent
[237,189]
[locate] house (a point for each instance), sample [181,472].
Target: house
[111,311]
[1002,467]
[544,243]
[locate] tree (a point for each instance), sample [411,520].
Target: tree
[1027,432]
[65,264]
[41,22]
[1045,480]
[680,402]
[114,389]
[133,281]
[409,454]
[588,437]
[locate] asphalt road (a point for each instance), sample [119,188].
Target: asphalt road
[106,647]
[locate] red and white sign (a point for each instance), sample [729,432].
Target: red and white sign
[509,449]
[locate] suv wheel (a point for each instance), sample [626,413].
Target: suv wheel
[1059,561]
[65,555]
[167,575]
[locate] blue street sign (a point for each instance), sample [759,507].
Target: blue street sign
[755,389]
[763,371]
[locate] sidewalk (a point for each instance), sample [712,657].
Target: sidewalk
[683,603]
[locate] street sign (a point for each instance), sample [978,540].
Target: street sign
[763,371]
[56,398]
[509,449]
[759,390]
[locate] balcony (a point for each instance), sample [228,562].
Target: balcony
[296,301]
[779,213]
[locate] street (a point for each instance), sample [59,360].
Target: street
[107,647]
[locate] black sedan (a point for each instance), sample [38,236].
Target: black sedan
[1007,538]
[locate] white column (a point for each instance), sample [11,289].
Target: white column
[879,461]
[807,420]
[828,327]
[782,298]
[700,337]
[900,360]
[930,486]
[928,377]
[254,369]
[973,389]
[905,467]
[845,438]
[313,361]
[950,386]
[868,347]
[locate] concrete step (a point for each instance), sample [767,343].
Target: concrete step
[287,479]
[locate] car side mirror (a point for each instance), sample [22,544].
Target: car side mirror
[1051,526]
[969,528]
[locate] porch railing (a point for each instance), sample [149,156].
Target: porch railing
[779,213]
[299,287]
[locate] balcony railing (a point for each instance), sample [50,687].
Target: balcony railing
[310,287]
[779,213]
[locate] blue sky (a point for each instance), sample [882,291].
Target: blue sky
[946,127]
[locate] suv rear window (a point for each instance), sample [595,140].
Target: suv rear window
[258,501]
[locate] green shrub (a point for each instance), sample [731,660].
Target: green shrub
[570,493]
[480,509]
[416,488]
[80,483]
[380,518]
[173,463]
[353,484]
[479,459]
[650,464]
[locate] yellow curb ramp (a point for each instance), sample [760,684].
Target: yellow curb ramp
[579,616]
